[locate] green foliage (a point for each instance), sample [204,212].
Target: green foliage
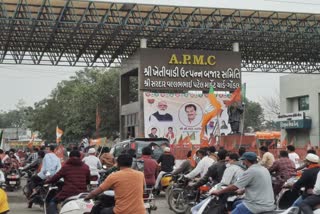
[254,116]
[73,104]
[17,118]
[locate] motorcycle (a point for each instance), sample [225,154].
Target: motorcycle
[13,179]
[182,198]
[214,204]
[94,181]
[72,205]
[164,183]
[106,200]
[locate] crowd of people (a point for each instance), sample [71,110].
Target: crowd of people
[242,172]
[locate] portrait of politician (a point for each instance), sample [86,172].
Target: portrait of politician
[153,133]
[161,115]
[192,117]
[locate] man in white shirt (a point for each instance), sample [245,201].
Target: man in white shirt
[205,162]
[93,162]
[293,155]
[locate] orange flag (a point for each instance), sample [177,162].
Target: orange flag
[59,134]
[30,144]
[98,118]
[235,97]
[212,109]
[94,142]
[59,151]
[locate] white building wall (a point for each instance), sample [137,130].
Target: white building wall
[294,86]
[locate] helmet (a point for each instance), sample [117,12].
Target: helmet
[165,181]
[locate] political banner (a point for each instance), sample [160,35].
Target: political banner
[177,115]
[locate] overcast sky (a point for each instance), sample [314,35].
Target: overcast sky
[34,83]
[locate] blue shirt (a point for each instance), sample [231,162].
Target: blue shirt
[50,163]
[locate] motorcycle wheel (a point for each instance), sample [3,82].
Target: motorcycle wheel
[178,202]
[168,191]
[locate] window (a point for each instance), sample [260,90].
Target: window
[303,103]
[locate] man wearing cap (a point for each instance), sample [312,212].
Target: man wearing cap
[93,162]
[308,177]
[256,182]
[166,161]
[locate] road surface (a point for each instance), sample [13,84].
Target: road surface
[18,204]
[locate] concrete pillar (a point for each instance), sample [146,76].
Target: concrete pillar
[235,47]
[143,43]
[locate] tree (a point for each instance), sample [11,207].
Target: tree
[73,105]
[17,118]
[272,106]
[253,115]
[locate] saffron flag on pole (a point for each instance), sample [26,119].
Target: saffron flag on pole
[30,144]
[98,118]
[212,109]
[59,151]
[235,97]
[59,134]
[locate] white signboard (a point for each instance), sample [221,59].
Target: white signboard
[175,116]
[291,116]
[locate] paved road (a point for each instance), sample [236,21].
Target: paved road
[18,205]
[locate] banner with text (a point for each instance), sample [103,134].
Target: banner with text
[175,116]
[189,70]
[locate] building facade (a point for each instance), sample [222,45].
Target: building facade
[300,109]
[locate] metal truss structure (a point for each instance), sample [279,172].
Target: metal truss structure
[89,33]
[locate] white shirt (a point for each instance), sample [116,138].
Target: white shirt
[316,189]
[94,164]
[295,158]
[201,168]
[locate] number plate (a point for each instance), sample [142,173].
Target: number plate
[12,182]
[94,182]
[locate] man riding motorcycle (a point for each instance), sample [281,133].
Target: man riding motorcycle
[206,161]
[312,200]
[76,175]
[283,169]
[308,177]
[50,165]
[256,181]
[128,186]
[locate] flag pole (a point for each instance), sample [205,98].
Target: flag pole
[243,90]
[243,118]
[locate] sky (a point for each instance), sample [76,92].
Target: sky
[34,83]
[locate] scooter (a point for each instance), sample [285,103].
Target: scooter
[106,200]
[13,179]
[72,205]
[76,204]
[94,181]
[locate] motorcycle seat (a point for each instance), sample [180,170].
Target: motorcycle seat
[75,197]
